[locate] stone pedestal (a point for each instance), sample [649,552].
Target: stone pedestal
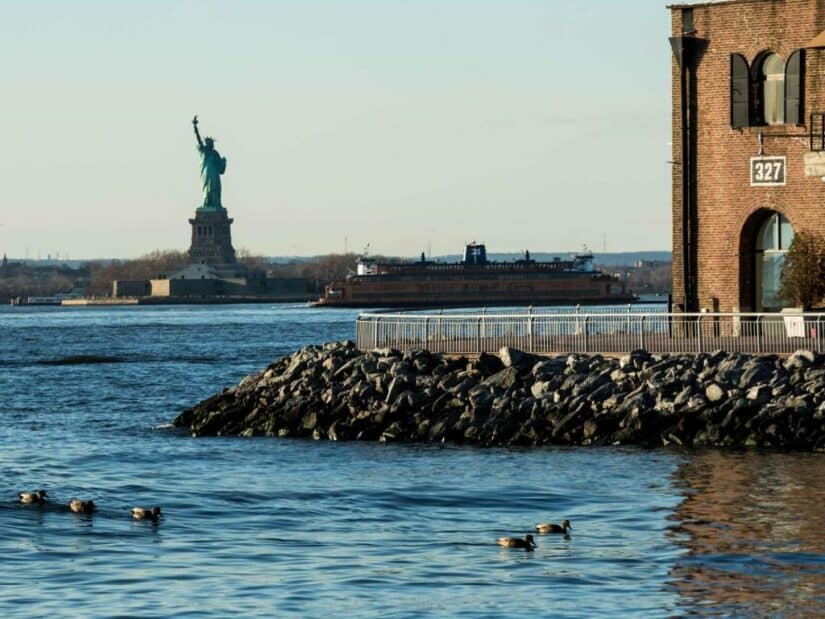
[211,237]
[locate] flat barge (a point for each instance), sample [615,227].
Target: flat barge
[475,282]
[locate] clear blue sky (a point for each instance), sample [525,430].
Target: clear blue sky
[524,124]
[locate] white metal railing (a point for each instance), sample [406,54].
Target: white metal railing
[630,308]
[617,332]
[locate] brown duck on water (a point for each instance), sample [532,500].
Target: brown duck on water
[516,542]
[146,513]
[82,507]
[563,528]
[28,498]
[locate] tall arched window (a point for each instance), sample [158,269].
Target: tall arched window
[772,77]
[770,92]
[772,243]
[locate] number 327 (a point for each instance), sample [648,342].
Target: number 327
[768,171]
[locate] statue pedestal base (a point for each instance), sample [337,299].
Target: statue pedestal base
[211,237]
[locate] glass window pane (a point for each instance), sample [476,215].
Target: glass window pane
[771,279]
[785,233]
[775,101]
[767,235]
[773,66]
[773,90]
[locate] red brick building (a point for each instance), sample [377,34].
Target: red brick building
[748,110]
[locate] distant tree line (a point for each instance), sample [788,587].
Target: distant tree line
[154,265]
[95,278]
[22,280]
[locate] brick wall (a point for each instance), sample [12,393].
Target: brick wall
[725,201]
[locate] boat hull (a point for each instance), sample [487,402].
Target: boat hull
[512,289]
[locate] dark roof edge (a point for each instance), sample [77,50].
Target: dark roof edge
[690,5]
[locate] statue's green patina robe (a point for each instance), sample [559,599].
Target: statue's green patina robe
[212,166]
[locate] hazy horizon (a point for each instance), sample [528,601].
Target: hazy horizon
[521,124]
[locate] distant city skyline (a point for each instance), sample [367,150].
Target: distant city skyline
[408,126]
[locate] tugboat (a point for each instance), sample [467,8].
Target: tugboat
[475,281]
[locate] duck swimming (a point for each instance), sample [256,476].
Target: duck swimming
[82,507]
[516,542]
[554,528]
[146,513]
[33,497]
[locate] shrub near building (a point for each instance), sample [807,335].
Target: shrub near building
[803,276]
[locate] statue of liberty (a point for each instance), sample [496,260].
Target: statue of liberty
[212,166]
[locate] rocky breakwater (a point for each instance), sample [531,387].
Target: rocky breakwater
[337,392]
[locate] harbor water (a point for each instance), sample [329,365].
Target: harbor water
[268,527]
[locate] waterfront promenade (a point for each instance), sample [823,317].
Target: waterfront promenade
[606,332]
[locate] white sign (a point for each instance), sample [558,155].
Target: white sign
[768,171]
[794,326]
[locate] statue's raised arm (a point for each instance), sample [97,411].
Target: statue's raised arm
[197,133]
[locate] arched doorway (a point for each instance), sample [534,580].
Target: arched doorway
[766,237]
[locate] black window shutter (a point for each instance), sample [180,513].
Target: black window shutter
[739,91]
[795,88]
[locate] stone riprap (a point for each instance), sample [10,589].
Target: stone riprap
[338,392]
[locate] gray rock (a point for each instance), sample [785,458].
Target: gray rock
[438,431]
[636,360]
[696,404]
[488,364]
[602,393]
[481,398]
[714,393]
[565,423]
[666,407]
[450,380]
[511,357]
[398,385]
[505,379]
[547,369]
[402,368]
[405,402]
[683,396]
[799,360]
[815,374]
[577,364]
[613,401]
[331,363]
[617,376]
[640,400]
[759,394]
[590,429]
[463,387]
[298,364]
[421,365]
[387,352]
[801,405]
[756,371]
[339,393]
[393,433]
[540,388]
[310,421]
[589,384]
